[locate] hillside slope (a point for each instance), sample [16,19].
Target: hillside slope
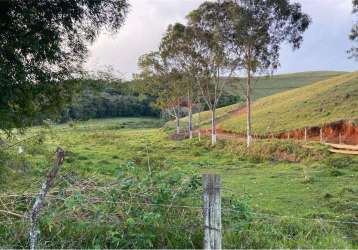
[262,87]
[266,86]
[323,102]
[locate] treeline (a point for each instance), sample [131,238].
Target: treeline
[102,98]
[108,98]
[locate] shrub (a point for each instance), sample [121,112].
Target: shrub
[338,161]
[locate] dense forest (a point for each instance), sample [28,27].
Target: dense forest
[105,99]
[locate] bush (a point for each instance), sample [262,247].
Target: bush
[338,161]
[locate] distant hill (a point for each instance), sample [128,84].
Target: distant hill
[319,103]
[262,87]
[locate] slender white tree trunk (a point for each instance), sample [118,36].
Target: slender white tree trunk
[190,107]
[199,123]
[177,119]
[213,126]
[248,104]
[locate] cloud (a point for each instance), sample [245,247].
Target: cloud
[324,48]
[326,41]
[144,27]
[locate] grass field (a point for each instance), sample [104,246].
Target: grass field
[262,87]
[323,102]
[118,173]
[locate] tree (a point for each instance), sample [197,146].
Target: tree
[43,44]
[255,31]
[211,46]
[353,53]
[159,78]
[178,49]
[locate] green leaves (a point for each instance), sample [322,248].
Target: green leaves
[42,47]
[353,52]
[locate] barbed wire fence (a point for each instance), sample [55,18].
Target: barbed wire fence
[211,209]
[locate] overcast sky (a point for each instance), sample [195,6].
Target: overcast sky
[324,47]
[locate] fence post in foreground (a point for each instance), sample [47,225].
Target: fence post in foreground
[321,135]
[40,199]
[212,211]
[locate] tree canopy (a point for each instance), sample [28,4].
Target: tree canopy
[244,36]
[353,52]
[43,44]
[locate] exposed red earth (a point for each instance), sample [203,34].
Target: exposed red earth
[341,132]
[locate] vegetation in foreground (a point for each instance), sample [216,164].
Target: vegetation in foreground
[123,186]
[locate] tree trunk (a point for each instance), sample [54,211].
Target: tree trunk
[177,119]
[190,107]
[213,126]
[248,104]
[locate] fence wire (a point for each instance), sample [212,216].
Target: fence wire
[177,206]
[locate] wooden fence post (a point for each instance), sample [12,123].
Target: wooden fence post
[321,135]
[40,199]
[212,211]
[340,138]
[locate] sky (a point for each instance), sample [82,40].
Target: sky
[324,47]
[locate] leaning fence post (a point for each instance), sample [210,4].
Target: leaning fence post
[34,215]
[212,211]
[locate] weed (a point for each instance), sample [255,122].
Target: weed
[336,172]
[338,161]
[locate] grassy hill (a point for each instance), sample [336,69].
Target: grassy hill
[266,86]
[323,102]
[262,87]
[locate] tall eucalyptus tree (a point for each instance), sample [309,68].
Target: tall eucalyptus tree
[161,79]
[178,49]
[207,23]
[255,31]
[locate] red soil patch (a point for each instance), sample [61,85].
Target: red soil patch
[344,132]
